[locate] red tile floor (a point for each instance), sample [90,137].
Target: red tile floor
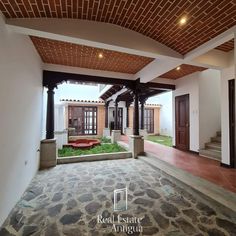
[196,165]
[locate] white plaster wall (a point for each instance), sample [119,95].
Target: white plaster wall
[213,58]
[76,91]
[165,100]
[226,74]
[59,117]
[44,113]
[189,85]
[60,129]
[21,109]
[209,105]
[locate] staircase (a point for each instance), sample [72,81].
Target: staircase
[213,149]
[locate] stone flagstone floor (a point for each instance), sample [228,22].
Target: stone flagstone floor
[67,199]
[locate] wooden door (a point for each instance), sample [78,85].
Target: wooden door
[182,122]
[232,123]
[149,120]
[83,120]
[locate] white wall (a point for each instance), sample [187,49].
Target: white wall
[76,91]
[209,105]
[226,74]
[189,85]
[204,104]
[60,125]
[165,100]
[21,109]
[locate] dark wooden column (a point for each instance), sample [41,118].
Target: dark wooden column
[50,113]
[127,114]
[142,102]
[116,116]
[136,108]
[106,113]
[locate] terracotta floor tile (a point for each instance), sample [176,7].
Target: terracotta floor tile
[194,164]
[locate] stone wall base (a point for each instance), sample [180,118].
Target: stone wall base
[48,153]
[136,145]
[106,132]
[128,131]
[143,132]
[61,137]
[115,135]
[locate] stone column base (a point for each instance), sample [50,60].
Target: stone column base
[136,145]
[115,135]
[48,153]
[143,132]
[106,132]
[61,137]
[128,131]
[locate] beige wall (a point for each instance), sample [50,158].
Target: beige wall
[131,110]
[100,119]
[156,120]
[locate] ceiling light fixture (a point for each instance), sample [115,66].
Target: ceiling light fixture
[178,68]
[100,55]
[183,20]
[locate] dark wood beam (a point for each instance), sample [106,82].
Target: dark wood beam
[106,113]
[142,115]
[55,78]
[136,92]
[150,94]
[159,86]
[116,115]
[126,96]
[50,114]
[127,113]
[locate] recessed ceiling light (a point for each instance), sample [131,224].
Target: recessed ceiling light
[178,68]
[183,20]
[100,55]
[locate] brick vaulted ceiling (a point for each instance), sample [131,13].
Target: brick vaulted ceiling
[155,19]
[184,69]
[226,47]
[63,53]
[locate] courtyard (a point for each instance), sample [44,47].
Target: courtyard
[67,200]
[117,118]
[161,139]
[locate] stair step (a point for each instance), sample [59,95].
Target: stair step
[216,139]
[211,153]
[218,133]
[213,145]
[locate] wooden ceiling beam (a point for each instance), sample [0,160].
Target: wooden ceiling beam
[55,78]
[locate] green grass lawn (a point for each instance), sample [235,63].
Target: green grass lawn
[105,140]
[103,148]
[165,140]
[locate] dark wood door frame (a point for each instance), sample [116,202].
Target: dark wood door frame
[149,120]
[231,92]
[79,118]
[182,122]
